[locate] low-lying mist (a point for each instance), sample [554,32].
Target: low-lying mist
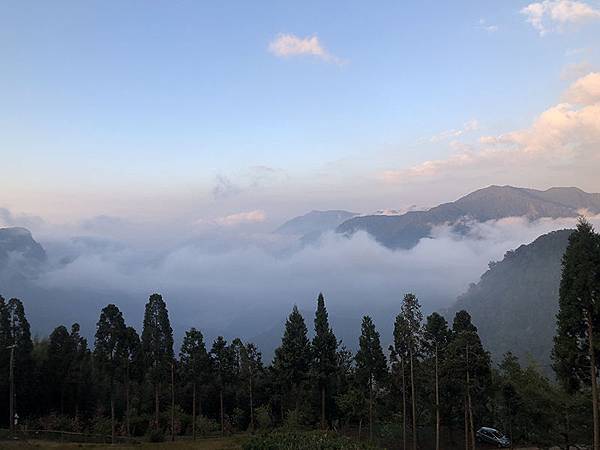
[244,284]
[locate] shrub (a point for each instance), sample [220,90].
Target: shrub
[293,420]
[156,436]
[293,440]
[206,426]
[263,418]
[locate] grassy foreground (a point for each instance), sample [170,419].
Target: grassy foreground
[226,443]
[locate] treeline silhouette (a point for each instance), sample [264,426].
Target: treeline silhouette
[433,377]
[433,387]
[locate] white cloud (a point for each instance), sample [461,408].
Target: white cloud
[563,139]
[287,45]
[471,125]
[256,216]
[555,15]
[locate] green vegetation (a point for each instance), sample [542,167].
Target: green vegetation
[294,440]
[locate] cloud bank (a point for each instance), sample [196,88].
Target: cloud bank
[219,281]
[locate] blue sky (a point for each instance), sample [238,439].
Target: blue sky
[110,107]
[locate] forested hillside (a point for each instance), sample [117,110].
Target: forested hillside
[514,305]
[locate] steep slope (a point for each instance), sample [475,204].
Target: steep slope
[515,302]
[20,255]
[493,202]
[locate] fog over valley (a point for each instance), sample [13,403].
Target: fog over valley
[236,280]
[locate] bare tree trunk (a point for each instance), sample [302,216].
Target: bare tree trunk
[156,405]
[251,407]
[403,407]
[471,422]
[222,414]
[359,428]
[466,424]
[322,407]
[567,429]
[127,406]
[594,382]
[437,402]
[470,407]
[194,411]
[371,408]
[11,377]
[112,413]
[414,409]
[172,402]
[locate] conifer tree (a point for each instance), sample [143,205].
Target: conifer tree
[292,359]
[371,365]
[470,368]
[157,345]
[80,373]
[131,368]
[413,333]
[576,349]
[20,337]
[436,339]
[109,348]
[5,342]
[60,358]
[195,365]
[399,356]
[223,363]
[324,347]
[251,367]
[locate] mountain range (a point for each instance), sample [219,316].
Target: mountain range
[493,202]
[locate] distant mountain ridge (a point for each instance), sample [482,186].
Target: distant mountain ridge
[514,304]
[493,202]
[312,225]
[21,257]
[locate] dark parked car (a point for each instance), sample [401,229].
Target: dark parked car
[492,436]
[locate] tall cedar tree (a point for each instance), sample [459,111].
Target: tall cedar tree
[251,368]
[5,342]
[109,347]
[157,345]
[469,369]
[325,357]
[81,371]
[436,339]
[399,357]
[20,337]
[195,366]
[292,360]
[575,352]
[223,363]
[371,365]
[131,368]
[61,357]
[413,318]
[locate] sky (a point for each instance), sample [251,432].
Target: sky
[199,111]
[153,146]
